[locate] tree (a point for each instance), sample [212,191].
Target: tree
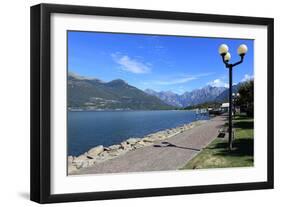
[246,99]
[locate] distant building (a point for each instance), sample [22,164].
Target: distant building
[225,107]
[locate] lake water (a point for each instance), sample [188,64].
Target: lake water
[89,129]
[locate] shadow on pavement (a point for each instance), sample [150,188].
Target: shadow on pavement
[168,144]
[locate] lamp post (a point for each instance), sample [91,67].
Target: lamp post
[223,50]
[235,97]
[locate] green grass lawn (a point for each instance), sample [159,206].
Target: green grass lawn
[217,155]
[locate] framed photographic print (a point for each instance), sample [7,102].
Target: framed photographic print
[133,103]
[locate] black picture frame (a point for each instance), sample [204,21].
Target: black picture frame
[41,98]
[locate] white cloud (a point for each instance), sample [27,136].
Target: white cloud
[218,83]
[247,77]
[181,79]
[176,81]
[130,64]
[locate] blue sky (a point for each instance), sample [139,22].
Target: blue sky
[161,63]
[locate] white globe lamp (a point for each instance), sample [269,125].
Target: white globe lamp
[242,49]
[227,57]
[223,49]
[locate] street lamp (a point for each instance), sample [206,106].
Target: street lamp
[235,97]
[223,51]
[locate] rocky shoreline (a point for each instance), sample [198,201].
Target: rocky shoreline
[100,153]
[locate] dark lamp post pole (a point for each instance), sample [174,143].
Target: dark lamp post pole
[230,138]
[223,50]
[235,97]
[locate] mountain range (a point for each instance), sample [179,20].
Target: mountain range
[197,96]
[94,94]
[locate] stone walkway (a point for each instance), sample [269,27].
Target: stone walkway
[170,154]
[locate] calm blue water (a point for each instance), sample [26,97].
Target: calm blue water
[89,129]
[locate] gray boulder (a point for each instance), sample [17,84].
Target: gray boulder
[114,147]
[125,146]
[95,151]
[133,140]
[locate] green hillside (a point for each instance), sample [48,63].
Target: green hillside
[93,94]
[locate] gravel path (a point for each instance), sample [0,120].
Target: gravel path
[170,154]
